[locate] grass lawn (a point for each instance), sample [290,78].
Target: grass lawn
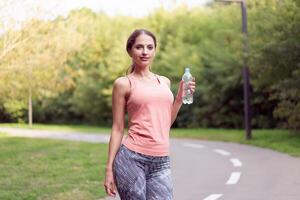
[50,169]
[3,135]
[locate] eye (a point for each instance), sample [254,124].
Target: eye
[150,47]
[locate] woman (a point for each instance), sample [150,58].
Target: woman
[139,166]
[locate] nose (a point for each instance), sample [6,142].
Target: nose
[145,51]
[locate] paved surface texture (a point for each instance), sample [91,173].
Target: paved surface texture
[205,170]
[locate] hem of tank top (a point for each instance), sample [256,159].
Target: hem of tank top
[146,152]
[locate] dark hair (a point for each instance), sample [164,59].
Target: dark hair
[131,41]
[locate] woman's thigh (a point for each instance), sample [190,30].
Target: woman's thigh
[129,176]
[160,186]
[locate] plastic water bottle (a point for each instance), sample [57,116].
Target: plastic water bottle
[187,93]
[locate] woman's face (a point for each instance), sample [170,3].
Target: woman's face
[142,51]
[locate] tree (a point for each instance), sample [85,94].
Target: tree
[37,60]
[277,62]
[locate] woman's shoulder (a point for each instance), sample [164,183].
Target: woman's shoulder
[122,82]
[166,80]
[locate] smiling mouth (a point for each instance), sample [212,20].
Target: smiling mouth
[145,58]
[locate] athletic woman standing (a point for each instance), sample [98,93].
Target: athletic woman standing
[138,167]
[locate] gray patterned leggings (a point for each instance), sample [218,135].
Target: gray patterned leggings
[142,177]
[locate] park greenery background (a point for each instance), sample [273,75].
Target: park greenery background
[69,64]
[65,68]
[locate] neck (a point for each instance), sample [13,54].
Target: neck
[142,72]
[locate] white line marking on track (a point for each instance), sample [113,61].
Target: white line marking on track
[236,162]
[234,178]
[222,152]
[213,197]
[199,146]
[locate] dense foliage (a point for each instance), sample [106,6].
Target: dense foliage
[84,53]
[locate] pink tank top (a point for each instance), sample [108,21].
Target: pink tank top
[149,108]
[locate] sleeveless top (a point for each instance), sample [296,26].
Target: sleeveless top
[149,108]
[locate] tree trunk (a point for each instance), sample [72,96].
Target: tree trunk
[30,107]
[30,99]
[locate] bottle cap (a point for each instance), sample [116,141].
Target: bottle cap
[187,69]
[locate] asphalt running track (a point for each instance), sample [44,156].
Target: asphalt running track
[205,170]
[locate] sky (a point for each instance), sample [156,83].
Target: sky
[13,13]
[20,10]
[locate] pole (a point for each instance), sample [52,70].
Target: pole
[246,76]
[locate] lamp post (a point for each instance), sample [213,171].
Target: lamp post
[246,76]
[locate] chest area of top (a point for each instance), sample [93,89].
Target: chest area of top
[150,91]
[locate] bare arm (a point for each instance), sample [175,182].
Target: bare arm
[176,105]
[118,110]
[120,89]
[178,100]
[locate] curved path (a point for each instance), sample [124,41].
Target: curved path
[204,170]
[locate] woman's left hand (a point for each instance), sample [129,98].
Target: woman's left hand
[180,93]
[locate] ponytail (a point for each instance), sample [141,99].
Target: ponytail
[130,69]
